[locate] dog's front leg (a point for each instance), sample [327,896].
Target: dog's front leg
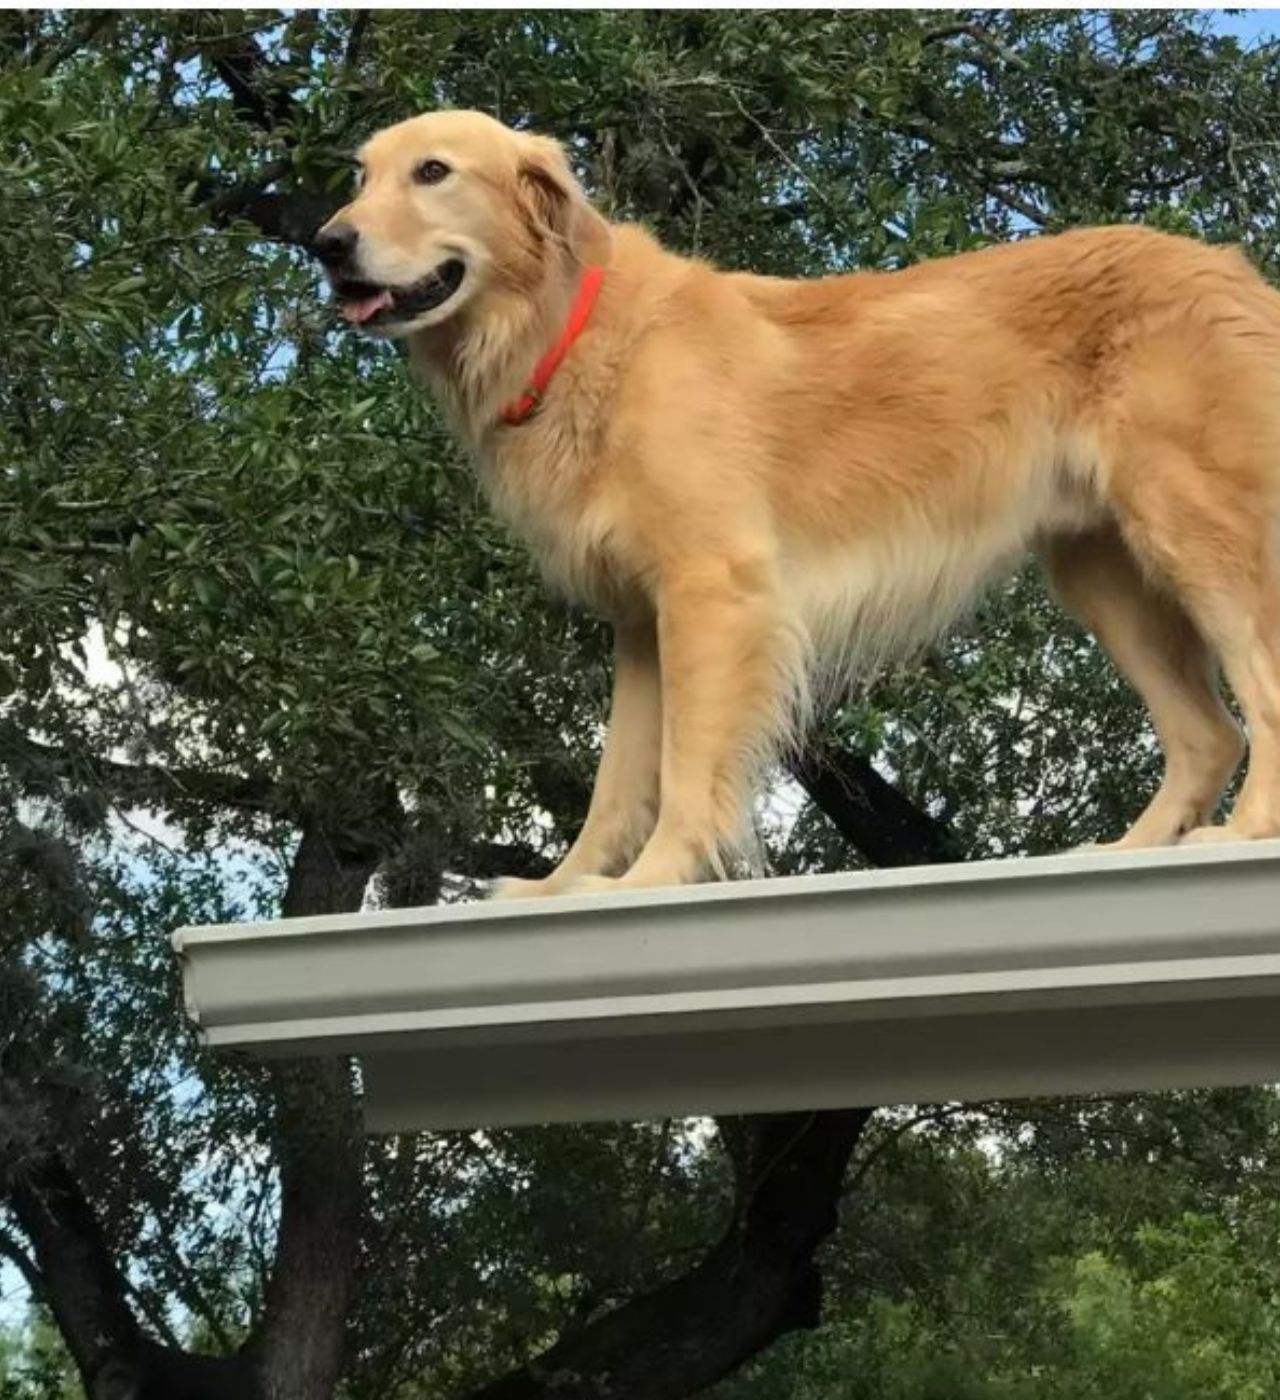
[730,662]
[624,800]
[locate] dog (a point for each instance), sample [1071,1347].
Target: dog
[767,485]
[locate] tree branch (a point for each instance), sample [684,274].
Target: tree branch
[86,28]
[242,67]
[295,1352]
[11,1250]
[135,784]
[936,1114]
[355,40]
[981,37]
[493,860]
[265,102]
[86,1293]
[1017,204]
[870,813]
[758,1283]
[286,217]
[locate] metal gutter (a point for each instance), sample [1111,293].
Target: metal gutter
[1058,974]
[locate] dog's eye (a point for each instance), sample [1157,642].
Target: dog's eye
[430,172]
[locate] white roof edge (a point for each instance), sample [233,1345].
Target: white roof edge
[851,975]
[1069,865]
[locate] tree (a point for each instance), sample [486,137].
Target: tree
[251,594]
[1083,1259]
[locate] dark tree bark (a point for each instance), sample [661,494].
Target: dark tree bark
[296,1351]
[42,769]
[298,1345]
[870,813]
[83,1288]
[81,1283]
[491,860]
[288,216]
[758,1283]
[248,75]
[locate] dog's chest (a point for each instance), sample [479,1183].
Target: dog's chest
[552,495]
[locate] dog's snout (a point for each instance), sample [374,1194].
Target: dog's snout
[336,243]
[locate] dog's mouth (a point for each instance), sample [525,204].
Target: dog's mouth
[366,304]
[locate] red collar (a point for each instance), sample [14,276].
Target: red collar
[531,399]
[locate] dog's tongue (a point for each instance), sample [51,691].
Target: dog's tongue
[360,310]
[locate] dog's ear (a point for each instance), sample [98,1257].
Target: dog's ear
[547,186]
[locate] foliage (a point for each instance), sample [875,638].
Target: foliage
[33,1364]
[979,1272]
[250,589]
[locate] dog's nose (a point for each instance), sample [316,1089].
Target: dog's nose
[335,243]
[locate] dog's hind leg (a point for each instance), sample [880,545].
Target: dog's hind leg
[1155,645]
[731,663]
[624,800]
[1210,531]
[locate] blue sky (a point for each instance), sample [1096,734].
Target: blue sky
[1249,26]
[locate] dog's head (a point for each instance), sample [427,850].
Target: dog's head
[450,208]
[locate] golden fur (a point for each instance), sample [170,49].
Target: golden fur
[760,480]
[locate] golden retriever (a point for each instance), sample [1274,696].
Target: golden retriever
[762,482]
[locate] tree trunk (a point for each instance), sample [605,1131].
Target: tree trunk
[298,1346]
[296,1351]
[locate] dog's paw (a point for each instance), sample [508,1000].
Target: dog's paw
[1217,836]
[513,888]
[1122,843]
[596,884]
[615,884]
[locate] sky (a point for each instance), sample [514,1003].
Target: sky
[1249,26]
